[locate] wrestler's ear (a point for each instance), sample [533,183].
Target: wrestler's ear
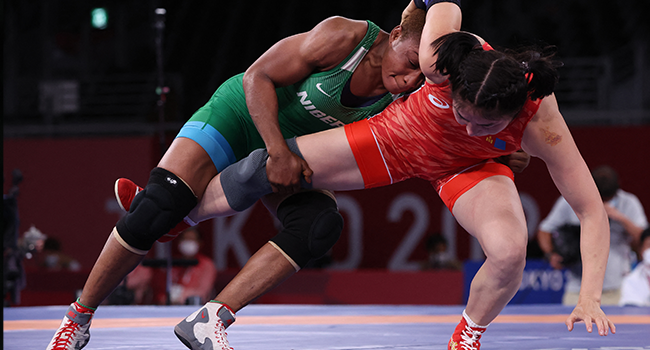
[395,34]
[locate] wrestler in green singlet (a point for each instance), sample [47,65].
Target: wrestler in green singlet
[224,128]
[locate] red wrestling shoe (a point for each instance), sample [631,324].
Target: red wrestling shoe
[173,233]
[466,336]
[126,190]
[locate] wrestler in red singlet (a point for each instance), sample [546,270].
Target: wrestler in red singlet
[418,136]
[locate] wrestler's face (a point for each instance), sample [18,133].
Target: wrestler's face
[475,120]
[400,64]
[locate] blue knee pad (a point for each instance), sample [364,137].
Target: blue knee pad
[311,226]
[155,210]
[245,182]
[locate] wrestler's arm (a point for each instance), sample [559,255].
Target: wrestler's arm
[547,137]
[287,62]
[328,152]
[442,18]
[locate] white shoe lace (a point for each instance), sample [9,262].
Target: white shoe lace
[221,335]
[469,338]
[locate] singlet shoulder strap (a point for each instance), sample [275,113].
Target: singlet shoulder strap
[351,62]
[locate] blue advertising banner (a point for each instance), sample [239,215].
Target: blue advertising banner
[541,284]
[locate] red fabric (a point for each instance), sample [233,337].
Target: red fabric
[371,163]
[452,187]
[418,136]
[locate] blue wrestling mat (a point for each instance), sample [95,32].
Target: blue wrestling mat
[321,327]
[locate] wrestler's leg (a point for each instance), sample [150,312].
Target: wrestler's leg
[328,154]
[187,160]
[267,268]
[283,256]
[491,211]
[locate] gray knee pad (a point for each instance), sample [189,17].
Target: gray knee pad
[155,210]
[245,182]
[311,226]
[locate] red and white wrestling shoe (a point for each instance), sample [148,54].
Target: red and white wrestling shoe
[74,331]
[467,335]
[205,329]
[125,192]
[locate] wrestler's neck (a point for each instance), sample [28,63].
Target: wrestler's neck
[367,78]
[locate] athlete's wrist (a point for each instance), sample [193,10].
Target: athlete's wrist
[280,152]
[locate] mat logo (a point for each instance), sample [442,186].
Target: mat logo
[309,107]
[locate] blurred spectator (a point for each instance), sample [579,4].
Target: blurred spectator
[33,241]
[193,277]
[627,220]
[53,258]
[15,251]
[31,246]
[636,286]
[196,281]
[439,257]
[137,287]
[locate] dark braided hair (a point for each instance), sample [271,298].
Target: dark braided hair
[497,82]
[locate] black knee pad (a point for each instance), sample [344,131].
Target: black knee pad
[245,182]
[311,225]
[155,210]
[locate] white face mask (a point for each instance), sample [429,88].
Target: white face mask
[440,258]
[189,248]
[646,256]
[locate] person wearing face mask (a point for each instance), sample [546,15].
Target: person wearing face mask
[439,257]
[635,290]
[192,281]
[627,220]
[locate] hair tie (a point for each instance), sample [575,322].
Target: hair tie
[487,47]
[529,77]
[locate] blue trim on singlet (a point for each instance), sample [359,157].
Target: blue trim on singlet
[212,142]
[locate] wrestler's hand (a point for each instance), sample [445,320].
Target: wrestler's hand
[517,161]
[589,312]
[284,170]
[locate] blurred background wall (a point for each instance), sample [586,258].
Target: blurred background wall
[80,110]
